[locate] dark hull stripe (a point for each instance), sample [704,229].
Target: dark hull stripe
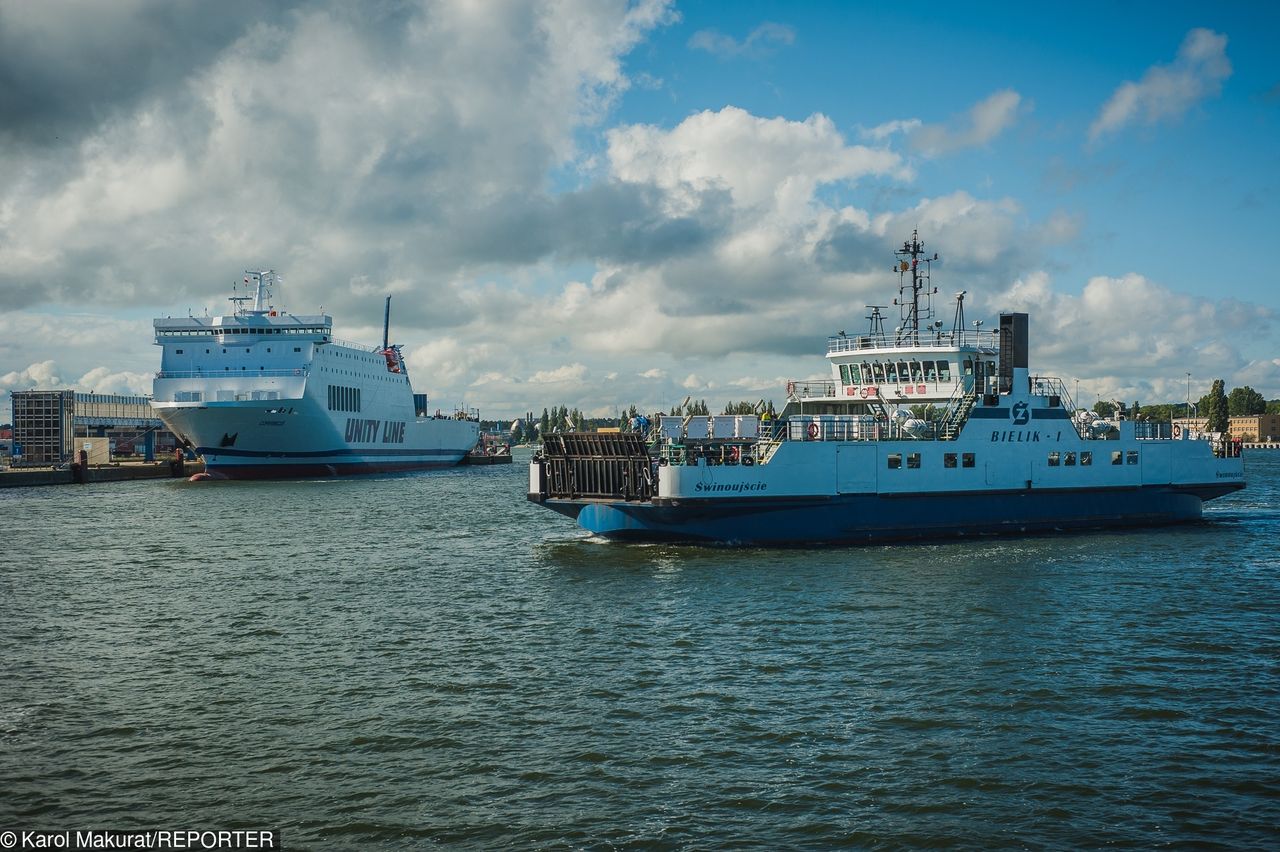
[290,471]
[319,454]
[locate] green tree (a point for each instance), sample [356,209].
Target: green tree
[1244,401]
[1104,409]
[1273,407]
[1215,407]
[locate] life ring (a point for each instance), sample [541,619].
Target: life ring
[864,393]
[813,430]
[734,454]
[297,372]
[1177,431]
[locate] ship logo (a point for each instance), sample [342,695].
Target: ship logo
[1020,414]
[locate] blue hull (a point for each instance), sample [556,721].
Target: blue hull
[863,518]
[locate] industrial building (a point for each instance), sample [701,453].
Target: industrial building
[47,424]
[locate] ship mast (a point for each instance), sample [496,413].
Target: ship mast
[919,307]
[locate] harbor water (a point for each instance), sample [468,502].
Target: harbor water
[421,660]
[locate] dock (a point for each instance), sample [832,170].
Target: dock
[72,475]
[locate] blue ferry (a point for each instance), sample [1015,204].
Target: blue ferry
[919,431]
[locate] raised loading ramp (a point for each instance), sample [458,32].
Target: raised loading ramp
[596,465]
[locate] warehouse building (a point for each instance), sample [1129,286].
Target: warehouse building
[51,426]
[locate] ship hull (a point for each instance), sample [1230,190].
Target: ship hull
[297,439]
[870,518]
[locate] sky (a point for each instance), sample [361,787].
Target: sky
[602,204]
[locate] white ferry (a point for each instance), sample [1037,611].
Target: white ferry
[262,393]
[919,432]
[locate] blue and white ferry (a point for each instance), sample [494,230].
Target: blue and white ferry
[919,432]
[263,393]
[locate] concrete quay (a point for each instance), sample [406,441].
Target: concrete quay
[121,472]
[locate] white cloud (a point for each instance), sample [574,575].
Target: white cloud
[881,132]
[1125,337]
[984,121]
[1168,91]
[768,163]
[760,42]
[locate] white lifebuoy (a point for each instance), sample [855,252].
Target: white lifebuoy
[1177,431]
[297,372]
[813,430]
[864,393]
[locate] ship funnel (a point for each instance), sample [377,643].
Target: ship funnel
[386,325]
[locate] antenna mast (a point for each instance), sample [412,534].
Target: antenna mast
[920,306]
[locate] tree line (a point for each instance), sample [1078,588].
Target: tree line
[561,418]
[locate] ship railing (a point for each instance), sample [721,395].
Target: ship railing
[798,389]
[229,373]
[1056,392]
[987,341]
[363,347]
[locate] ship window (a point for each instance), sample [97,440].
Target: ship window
[916,375]
[177,352]
[866,374]
[206,351]
[894,460]
[930,372]
[297,349]
[968,366]
[948,459]
[913,460]
[268,348]
[944,371]
[966,460]
[1131,457]
[1069,459]
[844,374]
[1117,457]
[855,375]
[903,371]
[890,372]
[1086,458]
[1053,459]
[877,370]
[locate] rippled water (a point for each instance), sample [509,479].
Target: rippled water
[429,659]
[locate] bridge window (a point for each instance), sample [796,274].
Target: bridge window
[844,374]
[904,372]
[1053,459]
[948,459]
[916,374]
[890,372]
[855,375]
[894,460]
[913,460]
[944,371]
[930,372]
[968,366]
[966,460]
[877,370]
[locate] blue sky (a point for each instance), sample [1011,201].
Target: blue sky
[605,203]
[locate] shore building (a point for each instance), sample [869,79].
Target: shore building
[46,424]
